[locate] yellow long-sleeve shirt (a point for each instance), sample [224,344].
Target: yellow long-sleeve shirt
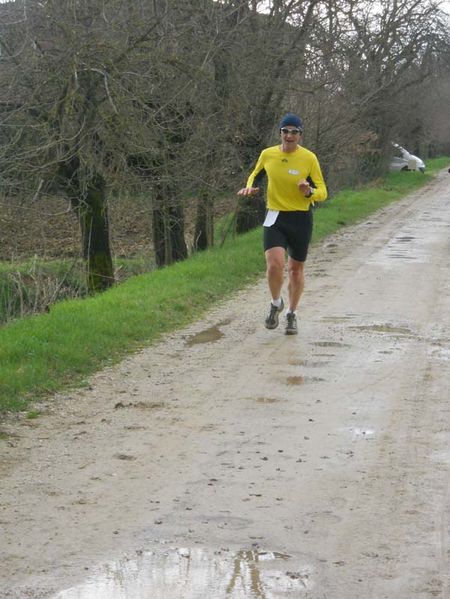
[284,170]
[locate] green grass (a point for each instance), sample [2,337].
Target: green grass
[45,353]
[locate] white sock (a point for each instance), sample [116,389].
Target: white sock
[277,302]
[289,311]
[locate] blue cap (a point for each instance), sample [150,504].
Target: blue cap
[291,119]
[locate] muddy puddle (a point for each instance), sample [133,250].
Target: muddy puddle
[330,344]
[266,400]
[209,335]
[337,319]
[302,380]
[383,328]
[403,247]
[309,363]
[195,573]
[405,239]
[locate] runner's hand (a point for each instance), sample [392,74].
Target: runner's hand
[248,191]
[304,187]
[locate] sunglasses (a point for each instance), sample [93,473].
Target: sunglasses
[288,131]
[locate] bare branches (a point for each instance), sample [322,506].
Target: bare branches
[133,92]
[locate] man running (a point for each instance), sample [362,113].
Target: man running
[295,182]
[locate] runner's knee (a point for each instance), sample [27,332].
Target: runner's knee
[275,266]
[295,268]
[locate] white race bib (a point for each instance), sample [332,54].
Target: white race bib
[271,217]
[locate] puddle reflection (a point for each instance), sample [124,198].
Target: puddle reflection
[196,574]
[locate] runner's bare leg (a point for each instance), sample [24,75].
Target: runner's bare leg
[296,271]
[275,270]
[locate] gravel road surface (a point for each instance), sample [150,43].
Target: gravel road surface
[229,461]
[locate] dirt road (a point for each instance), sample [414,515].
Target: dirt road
[232,461]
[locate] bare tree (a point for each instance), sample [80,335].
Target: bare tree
[96,97]
[269,55]
[175,99]
[59,103]
[377,52]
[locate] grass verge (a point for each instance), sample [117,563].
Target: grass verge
[42,354]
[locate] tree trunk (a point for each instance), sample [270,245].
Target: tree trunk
[178,247]
[168,230]
[92,213]
[204,225]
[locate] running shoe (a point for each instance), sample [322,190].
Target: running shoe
[272,317]
[291,324]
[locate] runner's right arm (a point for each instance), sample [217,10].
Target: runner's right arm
[254,179]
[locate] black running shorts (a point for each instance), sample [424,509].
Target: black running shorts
[292,231]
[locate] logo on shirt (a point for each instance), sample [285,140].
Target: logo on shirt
[284,160]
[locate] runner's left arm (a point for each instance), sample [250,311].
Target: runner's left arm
[317,181]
